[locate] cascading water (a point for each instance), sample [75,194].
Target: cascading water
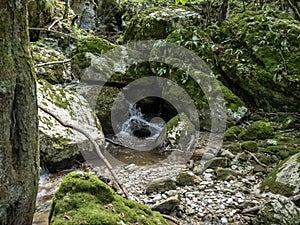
[138,133]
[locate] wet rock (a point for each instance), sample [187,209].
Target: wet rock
[279,210]
[284,178]
[161,185]
[58,144]
[83,197]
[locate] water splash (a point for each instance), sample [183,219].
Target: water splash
[138,133]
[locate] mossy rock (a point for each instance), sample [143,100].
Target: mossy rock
[260,56]
[158,22]
[83,199]
[249,146]
[185,179]
[258,130]
[161,185]
[226,174]
[54,74]
[282,151]
[234,147]
[96,46]
[278,210]
[59,144]
[232,133]
[284,178]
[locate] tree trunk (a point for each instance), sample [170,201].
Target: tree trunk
[19,157]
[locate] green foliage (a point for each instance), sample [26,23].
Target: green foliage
[258,130]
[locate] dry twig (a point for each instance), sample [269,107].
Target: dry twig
[53,63]
[256,159]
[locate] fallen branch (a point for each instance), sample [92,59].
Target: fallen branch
[90,138]
[172,219]
[53,31]
[256,159]
[53,63]
[252,210]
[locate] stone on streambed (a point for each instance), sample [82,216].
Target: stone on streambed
[58,144]
[161,185]
[284,178]
[83,199]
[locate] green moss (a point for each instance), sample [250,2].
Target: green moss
[184,179]
[282,151]
[157,22]
[234,147]
[260,55]
[226,174]
[161,186]
[54,74]
[232,133]
[270,183]
[250,146]
[57,95]
[258,130]
[84,199]
[94,45]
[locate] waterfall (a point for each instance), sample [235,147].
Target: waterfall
[138,133]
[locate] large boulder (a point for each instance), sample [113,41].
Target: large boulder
[259,56]
[285,178]
[158,22]
[59,144]
[84,199]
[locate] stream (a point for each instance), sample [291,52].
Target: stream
[133,146]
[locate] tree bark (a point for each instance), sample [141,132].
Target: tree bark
[19,156]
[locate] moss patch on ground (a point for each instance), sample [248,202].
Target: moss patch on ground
[84,199]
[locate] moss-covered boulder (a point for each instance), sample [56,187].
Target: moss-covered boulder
[260,58]
[284,178]
[55,73]
[197,41]
[232,133]
[94,45]
[278,210]
[258,130]
[185,179]
[84,199]
[158,22]
[59,144]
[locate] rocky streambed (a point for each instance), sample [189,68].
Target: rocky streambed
[227,192]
